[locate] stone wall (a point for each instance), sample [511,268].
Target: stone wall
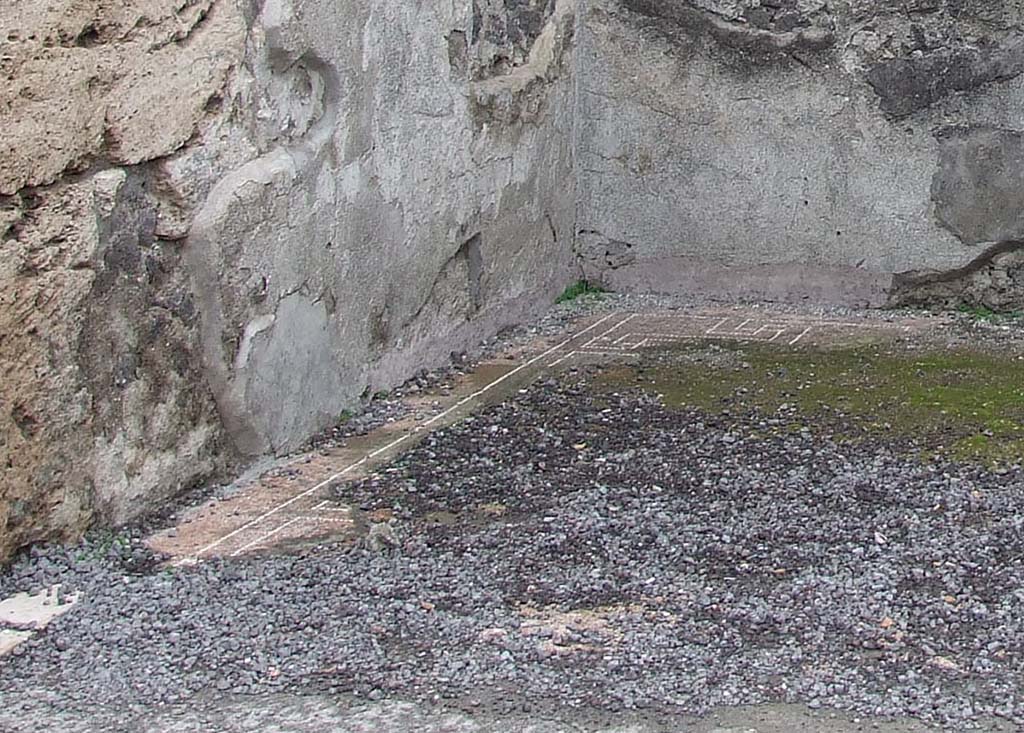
[223,222]
[788,149]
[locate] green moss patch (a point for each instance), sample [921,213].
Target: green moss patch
[577,289]
[966,404]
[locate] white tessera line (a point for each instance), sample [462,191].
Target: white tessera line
[590,347]
[397,441]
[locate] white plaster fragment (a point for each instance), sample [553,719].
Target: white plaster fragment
[9,639]
[252,329]
[28,612]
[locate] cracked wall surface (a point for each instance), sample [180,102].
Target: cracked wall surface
[791,149]
[224,221]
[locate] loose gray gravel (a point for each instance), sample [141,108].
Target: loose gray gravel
[382,408]
[734,567]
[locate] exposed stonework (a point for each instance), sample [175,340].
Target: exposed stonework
[757,32]
[101,414]
[97,82]
[225,221]
[504,33]
[994,280]
[925,51]
[508,82]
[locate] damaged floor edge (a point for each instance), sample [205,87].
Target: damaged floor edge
[274,511]
[24,614]
[255,533]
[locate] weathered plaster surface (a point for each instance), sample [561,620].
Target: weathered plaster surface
[337,262]
[225,221]
[796,149]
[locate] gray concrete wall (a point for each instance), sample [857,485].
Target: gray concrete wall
[797,149]
[223,222]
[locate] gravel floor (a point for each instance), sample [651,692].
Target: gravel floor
[590,549]
[385,407]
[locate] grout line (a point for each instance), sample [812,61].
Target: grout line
[717,325]
[786,322]
[519,368]
[331,479]
[781,320]
[593,352]
[559,361]
[266,536]
[605,335]
[802,334]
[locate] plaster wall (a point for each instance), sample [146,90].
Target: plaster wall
[224,222]
[795,149]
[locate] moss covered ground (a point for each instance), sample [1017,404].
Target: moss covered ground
[964,404]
